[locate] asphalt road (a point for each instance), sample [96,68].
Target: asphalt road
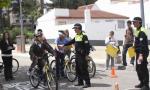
[126,79]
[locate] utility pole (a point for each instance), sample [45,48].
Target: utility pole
[21,28]
[142,12]
[42,6]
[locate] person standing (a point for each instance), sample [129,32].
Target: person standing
[6,46]
[142,52]
[110,40]
[67,34]
[82,49]
[128,42]
[60,41]
[68,48]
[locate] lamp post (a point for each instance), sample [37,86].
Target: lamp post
[142,12]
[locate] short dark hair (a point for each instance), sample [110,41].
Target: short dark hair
[39,30]
[129,22]
[111,32]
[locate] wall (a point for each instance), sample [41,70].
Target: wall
[99,31]
[47,24]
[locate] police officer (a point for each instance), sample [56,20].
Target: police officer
[82,49]
[142,52]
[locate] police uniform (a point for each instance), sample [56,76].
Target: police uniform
[141,47]
[82,49]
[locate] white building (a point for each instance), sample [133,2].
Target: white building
[96,29]
[130,8]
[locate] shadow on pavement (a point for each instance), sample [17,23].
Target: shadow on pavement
[100,85]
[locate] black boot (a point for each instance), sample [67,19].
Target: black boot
[87,85]
[139,85]
[145,87]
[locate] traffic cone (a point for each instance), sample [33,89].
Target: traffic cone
[113,73]
[116,86]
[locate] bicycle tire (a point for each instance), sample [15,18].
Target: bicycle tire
[92,72]
[72,71]
[91,69]
[34,75]
[15,65]
[51,80]
[53,66]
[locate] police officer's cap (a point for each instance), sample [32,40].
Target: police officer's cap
[137,19]
[78,26]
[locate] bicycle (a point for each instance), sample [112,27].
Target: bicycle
[36,77]
[15,65]
[91,67]
[67,68]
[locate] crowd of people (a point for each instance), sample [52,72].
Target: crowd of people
[133,38]
[139,40]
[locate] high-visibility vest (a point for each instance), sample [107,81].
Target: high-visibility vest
[79,37]
[136,33]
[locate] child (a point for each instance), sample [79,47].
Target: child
[110,40]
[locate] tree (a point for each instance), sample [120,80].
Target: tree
[4,4]
[71,4]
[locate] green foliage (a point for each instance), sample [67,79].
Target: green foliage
[4,3]
[71,4]
[28,33]
[16,32]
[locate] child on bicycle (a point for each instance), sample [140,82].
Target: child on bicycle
[37,50]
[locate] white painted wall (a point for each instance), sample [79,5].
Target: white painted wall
[99,31]
[61,12]
[47,24]
[95,7]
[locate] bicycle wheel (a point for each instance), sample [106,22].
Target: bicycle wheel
[70,71]
[53,66]
[91,67]
[51,80]
[34,77]
[15,65]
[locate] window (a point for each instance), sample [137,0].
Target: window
[109,20]
[121,24]
[61,22]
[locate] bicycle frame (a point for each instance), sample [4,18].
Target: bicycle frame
[47,69]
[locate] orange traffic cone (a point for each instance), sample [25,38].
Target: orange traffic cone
[113,73]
